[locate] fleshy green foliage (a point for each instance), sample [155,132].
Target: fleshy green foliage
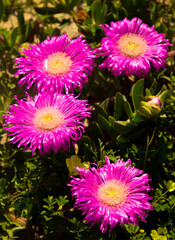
[95,15]
[139,112]
[35,201]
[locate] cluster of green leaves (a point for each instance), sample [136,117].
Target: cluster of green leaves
[35,201]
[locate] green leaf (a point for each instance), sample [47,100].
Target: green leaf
[127,123]
[71,163]
[104,124]
[172,200]
[15,229]
[28,28]
[164,88]
[95,12]
[62,200]
[128,108]
[7,45]
[14,35]
[124,126]
[144,112]
[111,120]
[170,185]
[21,24]
[98,12]
[170,145]
[97,132]
[140,116]
[121,139]
[1,8]
[47,218]
[162,28]
[2,184]
[163,96]
[162,230]
[101,111]
[131,228]
[155,236]
[153,88]
[50,200]
[148,93]
[152,10]
[2,104]
[21,18]
[136,91]
[118,106]
[105,103]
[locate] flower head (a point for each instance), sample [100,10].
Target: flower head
[111,194]
[58,62]
[50,121]
[131,47]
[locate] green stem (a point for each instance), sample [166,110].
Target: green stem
[162,195]
[148,142]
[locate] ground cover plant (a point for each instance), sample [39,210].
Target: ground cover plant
[87,119]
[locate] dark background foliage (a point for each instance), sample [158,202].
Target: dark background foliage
[35,201]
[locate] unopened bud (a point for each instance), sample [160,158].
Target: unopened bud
[155,101]
[152,107]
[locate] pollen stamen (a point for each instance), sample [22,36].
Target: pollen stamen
[132,45]
[57,64]
[113,193]
[48,118]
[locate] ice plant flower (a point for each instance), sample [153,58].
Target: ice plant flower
[131,47]
[50,121]
[114,193]
[59,62]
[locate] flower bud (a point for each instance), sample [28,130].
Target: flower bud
[155,101]
[152,107]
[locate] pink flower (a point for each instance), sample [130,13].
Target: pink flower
[58,62]
[131,47]
[114,193]
[50,121]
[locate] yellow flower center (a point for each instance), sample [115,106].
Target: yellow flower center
[112,193]
[132,45]
[57,64]
[48,118]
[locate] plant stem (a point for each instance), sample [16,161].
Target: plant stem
[148,142]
